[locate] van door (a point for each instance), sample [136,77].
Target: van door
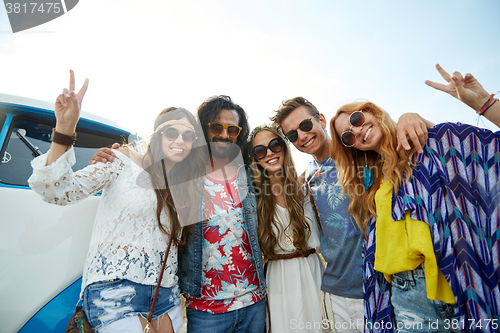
[43,247]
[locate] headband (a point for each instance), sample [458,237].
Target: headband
[180,122]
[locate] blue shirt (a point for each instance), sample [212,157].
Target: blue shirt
[341,239]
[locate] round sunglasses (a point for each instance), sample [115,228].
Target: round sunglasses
[305,126]
[356,119]
[276,145]
[232,130]
[171,134]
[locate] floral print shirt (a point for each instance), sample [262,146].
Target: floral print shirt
[230,279]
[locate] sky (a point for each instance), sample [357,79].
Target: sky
[144,56]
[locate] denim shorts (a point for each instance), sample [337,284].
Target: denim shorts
[107,301]
[414,311]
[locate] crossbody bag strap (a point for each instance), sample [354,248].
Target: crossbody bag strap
[151,311]
[314,205]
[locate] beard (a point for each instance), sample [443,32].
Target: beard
[230,151]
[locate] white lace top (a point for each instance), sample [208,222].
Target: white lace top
[126,242]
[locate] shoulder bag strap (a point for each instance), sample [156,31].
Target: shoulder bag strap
[151,311]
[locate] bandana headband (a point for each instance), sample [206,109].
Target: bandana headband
[181,122]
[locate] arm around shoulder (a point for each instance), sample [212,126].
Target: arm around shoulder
[133,155]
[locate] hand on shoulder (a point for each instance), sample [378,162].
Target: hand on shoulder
[133,155]
[125,151]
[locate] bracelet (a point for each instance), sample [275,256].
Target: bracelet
[63,139]
[480,112]
[489,106]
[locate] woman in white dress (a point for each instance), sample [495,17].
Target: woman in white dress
[135,220]
[288,236]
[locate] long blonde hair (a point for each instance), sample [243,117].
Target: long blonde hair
[266,205]
[394,166]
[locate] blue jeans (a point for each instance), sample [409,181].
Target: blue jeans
[250,319]
[107,301]
[414,311]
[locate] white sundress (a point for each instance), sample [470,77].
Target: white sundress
[294,285]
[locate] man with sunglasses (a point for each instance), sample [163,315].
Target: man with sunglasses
[221,272]
[220,268]
[342,240]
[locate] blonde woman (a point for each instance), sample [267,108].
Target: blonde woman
[288,234]
[430,219]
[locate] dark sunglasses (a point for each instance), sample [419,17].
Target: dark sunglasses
[305,126]
[275,145]
[171,133]
[356,119]
[232,130]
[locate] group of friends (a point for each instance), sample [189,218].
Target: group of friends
[405,215]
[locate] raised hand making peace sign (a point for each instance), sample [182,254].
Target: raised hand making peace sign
[468,90]
[67,111]
[68,106]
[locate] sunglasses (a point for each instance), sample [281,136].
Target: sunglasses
[171,134]
[305,126]
[356,119]
[275,145]
[232,130]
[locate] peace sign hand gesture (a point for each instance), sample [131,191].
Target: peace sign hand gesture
[467,89]
[68,106]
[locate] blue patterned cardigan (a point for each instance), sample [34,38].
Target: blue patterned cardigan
[455,189]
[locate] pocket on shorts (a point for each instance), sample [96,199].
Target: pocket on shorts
[104,284]
[108,301]
[400,282]
[445,310]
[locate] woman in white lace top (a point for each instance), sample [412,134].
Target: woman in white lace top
[135,219]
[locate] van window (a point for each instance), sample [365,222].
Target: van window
[30,138]
[2,119]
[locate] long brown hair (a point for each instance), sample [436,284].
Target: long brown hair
[266,205]
[192,167]
[394,166]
